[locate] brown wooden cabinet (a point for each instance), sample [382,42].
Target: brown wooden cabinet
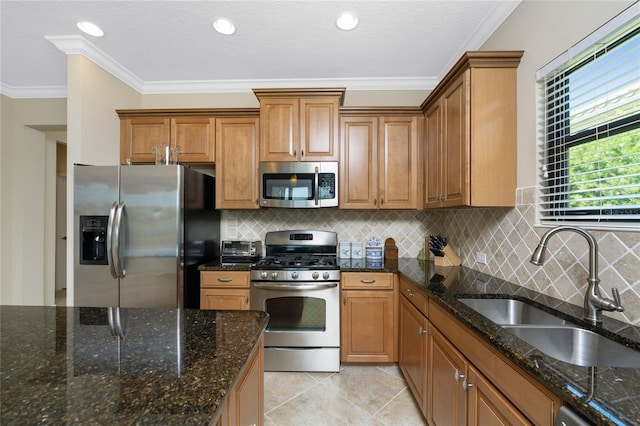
[487,406]
[413,350]
[224,290]
[193,135]
[368,318]
[237,180]
[139,135]
[471,133]
[380,162]
[245,402]
[447,369]
[468,379]
[299,125]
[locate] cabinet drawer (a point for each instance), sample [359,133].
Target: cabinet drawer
[224,279]
[366,280]
[411,292]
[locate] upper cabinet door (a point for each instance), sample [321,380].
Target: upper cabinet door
[237,163]
[194,138]
[140,135]
[399,163]
[319,129]
[279,129]
[434,158]
[299,124]
[358,163]
[456,143]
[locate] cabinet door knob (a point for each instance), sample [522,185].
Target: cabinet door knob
[295,152]
[302,153]
[246,300]
[466,385]
[344,300]
[422,331]
[410,293]
[458,376]
[375,201]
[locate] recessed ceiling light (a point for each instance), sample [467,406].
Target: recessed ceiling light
[224,26]
[90,28]
[347,21]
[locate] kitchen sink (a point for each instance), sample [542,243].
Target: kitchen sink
[511,312]
[577,346]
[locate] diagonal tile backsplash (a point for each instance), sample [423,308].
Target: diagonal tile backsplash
[506,235]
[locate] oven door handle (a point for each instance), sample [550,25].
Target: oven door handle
[266,286]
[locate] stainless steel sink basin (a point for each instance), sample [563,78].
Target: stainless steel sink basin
[511,312]
[577,346]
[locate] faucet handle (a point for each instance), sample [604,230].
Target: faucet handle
[616,299]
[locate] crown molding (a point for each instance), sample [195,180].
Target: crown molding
[78,45]
[235,86]
[31,92]
[491,22]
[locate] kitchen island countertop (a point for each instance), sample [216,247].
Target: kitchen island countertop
[63,365]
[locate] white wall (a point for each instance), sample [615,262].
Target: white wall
[23,179]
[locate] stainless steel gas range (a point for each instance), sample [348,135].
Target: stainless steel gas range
[298,284]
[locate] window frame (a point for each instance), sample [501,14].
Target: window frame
[557,140]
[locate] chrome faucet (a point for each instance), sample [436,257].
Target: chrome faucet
[594,303]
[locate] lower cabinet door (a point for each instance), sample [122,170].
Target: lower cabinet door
[447,403]
[413,351]
[224,299]
[367,326]
[487,406]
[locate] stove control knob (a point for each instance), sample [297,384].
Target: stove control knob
[325,275]
[274,275]
[294,275]
[263,274]
[315,275]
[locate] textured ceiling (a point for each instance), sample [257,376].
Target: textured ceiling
[168,46]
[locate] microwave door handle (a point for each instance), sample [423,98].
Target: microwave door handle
[317,186]
[112,216]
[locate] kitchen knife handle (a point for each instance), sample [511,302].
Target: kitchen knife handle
[112,215]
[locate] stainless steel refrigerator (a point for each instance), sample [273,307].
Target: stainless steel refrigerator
[141,233]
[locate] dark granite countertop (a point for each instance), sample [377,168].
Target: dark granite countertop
[216,266]
[62,365]
[614,392]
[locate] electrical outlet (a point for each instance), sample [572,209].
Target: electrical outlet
[481,258]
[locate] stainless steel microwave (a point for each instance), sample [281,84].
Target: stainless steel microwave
[299,184]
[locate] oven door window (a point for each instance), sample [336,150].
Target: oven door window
[301,313]
[285,186]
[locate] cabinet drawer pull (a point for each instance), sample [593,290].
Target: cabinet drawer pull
[225,280]
[246,300]
[367,281]
[410,293]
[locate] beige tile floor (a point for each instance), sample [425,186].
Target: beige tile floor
[357,395]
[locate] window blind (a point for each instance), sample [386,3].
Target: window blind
[589,132]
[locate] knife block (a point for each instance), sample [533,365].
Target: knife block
[450,258]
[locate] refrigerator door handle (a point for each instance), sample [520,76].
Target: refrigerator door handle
[117,237]
[112,215]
